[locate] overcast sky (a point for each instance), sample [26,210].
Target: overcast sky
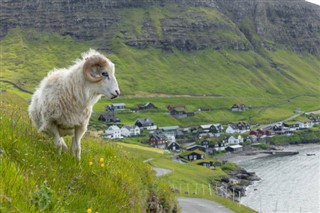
[314,1]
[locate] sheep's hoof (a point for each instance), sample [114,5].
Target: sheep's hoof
[76,152]
[64,147]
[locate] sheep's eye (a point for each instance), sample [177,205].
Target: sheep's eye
[105,74]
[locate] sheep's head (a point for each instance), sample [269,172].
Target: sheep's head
[100,71]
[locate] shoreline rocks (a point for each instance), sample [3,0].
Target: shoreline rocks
[234,185]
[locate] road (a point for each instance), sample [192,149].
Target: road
[161,171]
[193,205]
[290,118]
[196,205]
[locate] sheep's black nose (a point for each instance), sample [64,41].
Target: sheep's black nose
[115,95]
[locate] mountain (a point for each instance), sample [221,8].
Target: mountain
[204,47]
[184,24]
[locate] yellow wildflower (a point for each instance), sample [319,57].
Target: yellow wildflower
[102,165]
[90,163]
[101,160]
[89,210]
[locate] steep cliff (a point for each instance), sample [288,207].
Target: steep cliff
[183,24]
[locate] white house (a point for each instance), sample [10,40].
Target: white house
[237,128]
[128,131]
[116,106]
[145,123]
[112,132]
[235,140]
[305,125]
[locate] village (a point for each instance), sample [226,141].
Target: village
[197,141]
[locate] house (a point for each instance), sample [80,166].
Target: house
[291,126]
[169,130]
[239,108]
[203,109]
[205,144]
[205,163]
[280,129]
[210,130]
[129,131]
[261,133]
[181,114]
[234,148]
[112,132]
[146,106]
[108,117]
[173,146]
[240,127]
[179,134]
[145,123]
[193,155]
[215,129]
[196,147]
[314,119]
[305,125]
[234,140]
[115,106]
[172,107]
[158,140]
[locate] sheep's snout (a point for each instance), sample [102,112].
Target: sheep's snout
[117,93]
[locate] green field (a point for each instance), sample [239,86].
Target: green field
[187,178]
[26,57]
[265,110]
[35,178]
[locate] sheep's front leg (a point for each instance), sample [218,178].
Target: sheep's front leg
[76,141]
[58,140]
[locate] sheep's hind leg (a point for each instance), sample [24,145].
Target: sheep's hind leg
[58,140]
[76,141]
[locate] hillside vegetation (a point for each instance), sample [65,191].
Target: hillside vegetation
[34,178]
[27,56]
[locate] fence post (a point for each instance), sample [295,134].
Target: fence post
[196,188]
[233,194]
[188,188]
[202,189]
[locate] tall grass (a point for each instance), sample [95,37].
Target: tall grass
[34,178]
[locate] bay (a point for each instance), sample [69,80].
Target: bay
[288,184]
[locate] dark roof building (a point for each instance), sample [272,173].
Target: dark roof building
[146,106]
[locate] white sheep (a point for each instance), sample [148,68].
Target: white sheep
[63,102]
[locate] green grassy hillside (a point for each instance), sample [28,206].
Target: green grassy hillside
[34,178]
[190,179]
[26,56]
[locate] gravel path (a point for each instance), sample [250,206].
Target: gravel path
[196,205]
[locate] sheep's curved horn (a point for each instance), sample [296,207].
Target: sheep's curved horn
[93,61]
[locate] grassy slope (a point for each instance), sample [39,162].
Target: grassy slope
[186,177]
[275,110]
[240,76]
[27,56]
[34,178]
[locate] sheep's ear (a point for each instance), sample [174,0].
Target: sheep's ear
[91,68]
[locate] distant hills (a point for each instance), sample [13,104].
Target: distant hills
[213,47]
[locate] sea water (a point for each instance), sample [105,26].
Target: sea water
[288,184]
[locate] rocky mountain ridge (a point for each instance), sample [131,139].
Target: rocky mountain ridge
[183,24]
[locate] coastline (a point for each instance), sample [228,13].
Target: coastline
[283,178]
[244,178]
[251,155]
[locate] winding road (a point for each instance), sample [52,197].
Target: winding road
[193,205]
[196,205]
